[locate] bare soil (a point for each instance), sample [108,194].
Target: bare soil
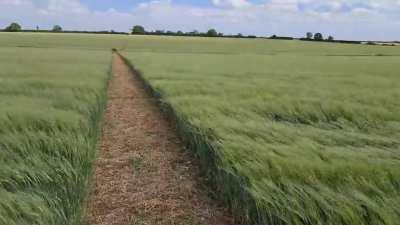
[143,175]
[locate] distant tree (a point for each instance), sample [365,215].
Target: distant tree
[220,34]
[13,27]
[331,38]
[57,28]
[309,35]
[194,33]
[180,33]
[159,32]
[212,33]
[239,35]
[318,37]
[37,28]
[281,37]
[138,30]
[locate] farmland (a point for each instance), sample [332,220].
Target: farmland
[289,132]
[51,101]
[310,131]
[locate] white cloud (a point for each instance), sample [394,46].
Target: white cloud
[12,2]
[345,19]
[282,5]
[66,6]
[231,3]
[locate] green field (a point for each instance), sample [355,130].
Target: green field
[312,131]
[51,100]
[290,132]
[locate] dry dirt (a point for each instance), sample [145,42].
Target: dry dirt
[143,175]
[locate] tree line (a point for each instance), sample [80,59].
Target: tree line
[15,27]
[140,30]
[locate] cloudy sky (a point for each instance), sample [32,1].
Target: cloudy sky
[344,19]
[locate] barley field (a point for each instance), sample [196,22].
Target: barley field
[303,133]
[289,132]
[51,102]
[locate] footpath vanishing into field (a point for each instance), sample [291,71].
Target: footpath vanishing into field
[142,174]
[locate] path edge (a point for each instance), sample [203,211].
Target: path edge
[99,132]
[230,188]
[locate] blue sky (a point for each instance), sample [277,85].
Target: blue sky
[344,19]
[126,5]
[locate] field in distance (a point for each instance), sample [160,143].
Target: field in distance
[298,132]
[310,130]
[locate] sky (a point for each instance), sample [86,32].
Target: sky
[343,19]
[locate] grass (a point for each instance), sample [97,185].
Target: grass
[51,100]
[291,133]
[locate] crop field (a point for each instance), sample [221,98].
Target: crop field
[51,100]
[289,132]
[303,133]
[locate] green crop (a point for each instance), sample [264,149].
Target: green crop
[290,132]
[51,101]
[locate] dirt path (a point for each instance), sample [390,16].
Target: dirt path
[142,174]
